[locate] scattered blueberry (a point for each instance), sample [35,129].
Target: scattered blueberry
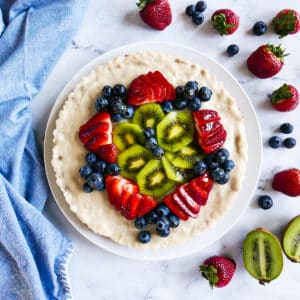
[163,233]
[119,90]
[205,93]
[85,171]
[113,169]
[201,6]
[128,114]
[275,142]
[151,217]
[95,181]
[179,91]
[140,223]
[100,166]
[158,153]
[180,103]
[167,106]
[193,85]
[221,155]
[289,143]
[286,128]
[116,117]
[190,10]
[265,202]
[107,91]
[194,104]
[101,104]
[224,180]
[91,157]
[217,174]
[211,162]
[119,108]
[163,210]
[200,168]
[259,28]
[144,237]
[228,165]
[151,143]
[232,50]
[162,224]
[149,132]
[197,18]
[173,220]
[189,93]
[86,188]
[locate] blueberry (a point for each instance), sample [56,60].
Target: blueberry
[289,143]
[116,117]
[163,233]
[193,85]
[91,158]
[275,142]
[286,128]
[144,237]
[190,10]
[119,108]
[201,6]
[189,93]
[151,143]
[194,104]
[114,100]
[151,217]
[95,180]
[100,186]
[119,90]
[100,166]
[140,223]
[162,210]
[197,18]
[113,169]
[205,93]
[211,162]
[265,202]
[173,220]
[200,168]
[158,153]
[167,106]
[86,188]
[232,50]
[101,104]
[128,114]
[179,91]
[224,180]
[180,103]
[85,171]
[225,152]
[259,28]
[149,132]
[162,224]
[221,155]
[217,174]
[107,91]
[228,165]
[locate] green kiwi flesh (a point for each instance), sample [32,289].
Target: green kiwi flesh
[262,255]
[132,160]
[148,115]
[175,131]
[186,157]
[291,240]
[127,134]
[153,181]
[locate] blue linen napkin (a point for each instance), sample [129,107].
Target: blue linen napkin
[33,253]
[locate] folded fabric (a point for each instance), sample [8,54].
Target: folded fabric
[33,253]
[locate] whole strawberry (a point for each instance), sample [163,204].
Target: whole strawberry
[287,182]
[286,98]
[287,21]
[225,21]
[218,270]
[266,61]
[155,13]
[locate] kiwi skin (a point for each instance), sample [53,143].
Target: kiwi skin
[290,257]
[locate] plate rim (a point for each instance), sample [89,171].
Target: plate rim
[105,243]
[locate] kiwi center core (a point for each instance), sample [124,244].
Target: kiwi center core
[175,131]
[136,163]
[156,178]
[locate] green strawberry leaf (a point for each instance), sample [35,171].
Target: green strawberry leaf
[219,23]
[141,5]
[277,51]
[280,94]
[210,273]
[284,23]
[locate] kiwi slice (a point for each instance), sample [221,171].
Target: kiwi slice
[187,156]
[174,173]
[132,160]
[148,115]
[153,180]
[291,240]
[262,255]
[175,131]
[126,134]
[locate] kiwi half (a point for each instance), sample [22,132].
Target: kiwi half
[126,134]
[175,131]
[148,115]
[291,240]
[153,181]
[132,160]
[186,157]
[262,255]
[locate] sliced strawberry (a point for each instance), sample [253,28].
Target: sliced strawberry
[98,128]
[213,142]
[155,80]
[188,200]
[173,206]
[97,141]
[108,153]
[109,188]
[205,181]
[183,206]
[171,94]
[147,204]
[204,116]
[114,187]
[131,210]
[129,189]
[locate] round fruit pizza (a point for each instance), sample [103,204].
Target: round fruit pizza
[149,150]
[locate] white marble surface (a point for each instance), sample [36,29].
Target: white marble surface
[96,274]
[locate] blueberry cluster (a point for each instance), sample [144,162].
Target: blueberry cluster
[217,164]
[259,28]
[113,99]
[94,172]
[151,143]
[276,142]
[161,217]
[196,12]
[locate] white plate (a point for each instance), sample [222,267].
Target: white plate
[253,133]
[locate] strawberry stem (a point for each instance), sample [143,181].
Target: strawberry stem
[277,51]
[283,92]
[219,23]
[284,23]
[142,3]
[210,273]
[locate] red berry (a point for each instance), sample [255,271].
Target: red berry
[108,153]
[287,182]
[286,98]
[225,21]
[287,21]
[175,208]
